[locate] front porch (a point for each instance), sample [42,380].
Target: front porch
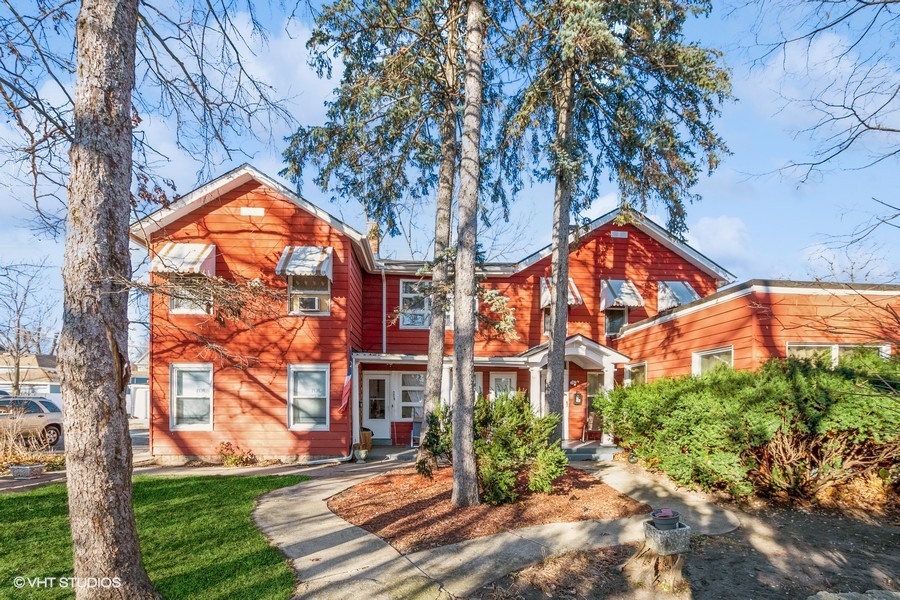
[388,389]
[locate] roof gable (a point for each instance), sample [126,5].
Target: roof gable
[652,230]
[142,229]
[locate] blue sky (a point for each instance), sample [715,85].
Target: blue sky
[753,222]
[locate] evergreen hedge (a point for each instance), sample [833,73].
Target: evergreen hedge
[793,428]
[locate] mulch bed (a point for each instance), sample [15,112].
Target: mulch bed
[413,513]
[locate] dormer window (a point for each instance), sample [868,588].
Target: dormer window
[675,293]
[617,297]
[309,274]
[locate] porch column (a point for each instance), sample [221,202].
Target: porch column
[446,383]
[534,389]
[609,382]
[354,400]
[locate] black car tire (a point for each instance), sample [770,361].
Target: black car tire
[51,435]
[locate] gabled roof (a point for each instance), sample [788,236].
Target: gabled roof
[142,229]
[145,227]
[653,230]
[577,345]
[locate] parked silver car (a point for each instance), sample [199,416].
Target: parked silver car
[31,418]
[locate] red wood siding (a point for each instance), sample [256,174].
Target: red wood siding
[250,387]
[598,256]
[758,326]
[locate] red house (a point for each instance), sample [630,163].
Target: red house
[348,348]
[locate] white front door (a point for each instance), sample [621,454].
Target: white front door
[376,404]
[565,415]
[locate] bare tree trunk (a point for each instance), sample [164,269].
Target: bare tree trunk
[465,473]
[559,261]
[439,275]
[93,352]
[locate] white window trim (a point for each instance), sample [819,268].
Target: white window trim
[173,368]
[300,313]
[495,375]
[290,396]
[695,357]
[187,311]
[426,305]
[605,319]
[643,363]
[884,349]
[401,403]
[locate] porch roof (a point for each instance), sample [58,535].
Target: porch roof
[581,350]
[421,359]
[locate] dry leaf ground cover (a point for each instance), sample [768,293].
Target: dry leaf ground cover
[413,513]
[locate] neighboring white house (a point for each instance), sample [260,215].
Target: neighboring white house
[137,399]
[37,375]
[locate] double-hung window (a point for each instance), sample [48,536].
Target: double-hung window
[415,306]
[616,319]
[309,295]
[308,386]
[187,296]
[707,360]
[192,396]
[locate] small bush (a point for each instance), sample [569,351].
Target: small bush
[19,449]
[794,428]
[233,455]
[511,444]
[437,441]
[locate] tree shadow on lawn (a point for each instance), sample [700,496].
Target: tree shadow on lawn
[197,537]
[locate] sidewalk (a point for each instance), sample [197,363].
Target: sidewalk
[335,559]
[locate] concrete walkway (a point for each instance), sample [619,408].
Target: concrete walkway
[335,559]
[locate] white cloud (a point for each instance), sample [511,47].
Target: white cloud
[726,240]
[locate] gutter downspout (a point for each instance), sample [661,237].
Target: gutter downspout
[383,312]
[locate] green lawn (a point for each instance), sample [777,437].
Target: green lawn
[197,538]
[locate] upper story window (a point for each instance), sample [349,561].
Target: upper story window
[545,320]
[415,306]
[187,295]
[707,360]
[616,319]
[617,297]
[309,295]
[672,294]
[309,271]
[187,266]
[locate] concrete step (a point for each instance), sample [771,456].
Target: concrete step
[602,453]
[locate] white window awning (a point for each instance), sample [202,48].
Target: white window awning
[180,258]
[574,295]
[306,260]
[619,293]
[675,293]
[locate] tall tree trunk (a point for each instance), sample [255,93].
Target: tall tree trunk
[439,275]
[93,351]
[465,473]
[559,261]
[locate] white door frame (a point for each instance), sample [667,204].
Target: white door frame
[388,404]
[543,386]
